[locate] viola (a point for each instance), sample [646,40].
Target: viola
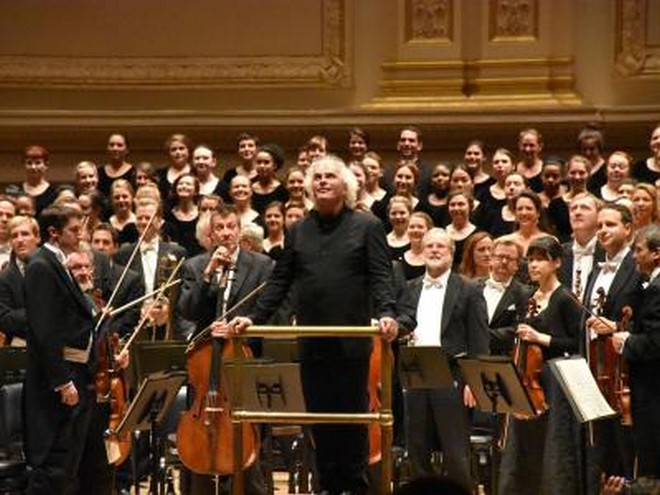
[621,378]
[528,359]
[602,356]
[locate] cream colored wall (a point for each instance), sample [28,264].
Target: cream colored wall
[72,71]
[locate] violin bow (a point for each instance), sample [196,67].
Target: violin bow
[206,331]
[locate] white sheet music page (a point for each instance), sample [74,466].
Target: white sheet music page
[581,388]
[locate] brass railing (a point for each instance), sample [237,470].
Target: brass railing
[383,417]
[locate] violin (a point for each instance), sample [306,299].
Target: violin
[621,379]
[528,359]
[602,356]
[205,436]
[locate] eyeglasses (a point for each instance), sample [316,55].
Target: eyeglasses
[504,258]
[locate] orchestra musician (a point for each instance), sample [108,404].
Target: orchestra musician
[450,314]
[641,350]
[7,212]
[208,287]
[541,455]
[338,260]
[151,260]
[616,277]
[58,397]
[582,253]
[24,240]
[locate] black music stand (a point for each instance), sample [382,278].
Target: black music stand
[496,385]
[146,412]
[13,361]
[424,367]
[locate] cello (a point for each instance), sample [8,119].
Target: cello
[205,438]
[528,359]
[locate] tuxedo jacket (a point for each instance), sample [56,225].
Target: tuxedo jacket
[58,316]
[13,320]
[642,348]
[202,302]
[464,326]
[511,306]
[565,273]
[182,327]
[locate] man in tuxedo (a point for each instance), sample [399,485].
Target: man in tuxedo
[58,394]
[506,298]
[641,350]
[451,315]
[153,261]
[212,285]
[619,281]
[7,212]
[24,240]
[583,253]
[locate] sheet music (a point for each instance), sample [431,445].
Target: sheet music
[581,388]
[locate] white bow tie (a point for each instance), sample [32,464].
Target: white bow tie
[432,282]
[607,266]
[498,286]
[582,251]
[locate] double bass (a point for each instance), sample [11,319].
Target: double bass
[528,359]
[205,438]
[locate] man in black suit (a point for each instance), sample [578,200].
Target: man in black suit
[641,350]
[583,253]
[58,397]
[506,297]
[451,315]
[212,284]
[338,260]
[153,261]
[617,278]
[24,240]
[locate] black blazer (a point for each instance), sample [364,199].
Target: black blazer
[13,320]
[502,325]
[464,326]
[58,315]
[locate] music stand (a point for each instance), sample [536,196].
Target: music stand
[152,357]
[13,361]
[496,385]
[146,412]
[424,367]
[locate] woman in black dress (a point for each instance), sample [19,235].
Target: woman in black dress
[648,169]
[541,454]
[117,166]
[181,221]
[267,188]
[412,260]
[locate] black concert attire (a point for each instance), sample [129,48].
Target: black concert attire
[411,271]
[597,180]
[342,271]
[59,339]
[105,181]
[182,232]
[558,219]
[396,253]
[642,353]
[260,201]
[577,263]
[613,441]
[541,455]
[128,234]
[436,418]
[643,173]
[13,320]
[43,200]
[202,302]
[482,190]
[439,214]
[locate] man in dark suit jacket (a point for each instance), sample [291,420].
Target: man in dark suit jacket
[618,279]
[212,285]
[152,262]
[641,350]
[451,315]
[581,255]
[24,240]
[506,297]
[58,398]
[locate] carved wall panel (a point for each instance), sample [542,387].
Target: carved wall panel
[316,54]
[429,20]
[637,54]
[513,20]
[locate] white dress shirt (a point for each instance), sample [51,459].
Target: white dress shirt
[608,270]
[149,258]
[583,263]
[429,310]
[493,292]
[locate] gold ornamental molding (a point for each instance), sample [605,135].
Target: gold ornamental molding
[513,20]
[635,55]
[429,21]
[331,68]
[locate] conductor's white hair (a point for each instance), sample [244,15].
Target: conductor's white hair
[346,175]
